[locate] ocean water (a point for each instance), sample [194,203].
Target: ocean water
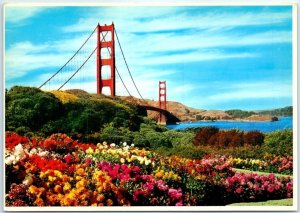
[262,126]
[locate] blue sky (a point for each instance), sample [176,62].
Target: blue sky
[212,57]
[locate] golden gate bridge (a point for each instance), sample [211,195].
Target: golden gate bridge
[106,71]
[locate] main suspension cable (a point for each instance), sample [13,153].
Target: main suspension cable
[128,67]
[69,59]
[78,69]
[117,69]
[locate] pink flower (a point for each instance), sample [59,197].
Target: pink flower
[250,184]
[271,188]
[239,190]
[271,177]
[289,185]
[255,187]
[148,186]
[161,185]
[175,194]
[179,203]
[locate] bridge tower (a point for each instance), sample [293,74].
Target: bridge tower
[109,63]
[162,101]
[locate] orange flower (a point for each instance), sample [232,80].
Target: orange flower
[58,189]
[109,202]
[100,197]
[39,202]
[80,171]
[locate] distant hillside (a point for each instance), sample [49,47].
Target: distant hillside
[286,111]
[185,113]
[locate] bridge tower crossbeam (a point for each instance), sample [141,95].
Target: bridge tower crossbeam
[162,102]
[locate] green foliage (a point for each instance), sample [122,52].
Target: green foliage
[191,152]
[30,107]
[237,113]
[180,138]
[115,135]
[286,111]
[22,130]
[279,143]
[38,111]
[282,202]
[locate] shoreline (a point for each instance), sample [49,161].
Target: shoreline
[231,120]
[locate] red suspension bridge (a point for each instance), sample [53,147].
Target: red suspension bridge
[106,71]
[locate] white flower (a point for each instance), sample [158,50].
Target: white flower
[112,145]
[10,159]
[19,148]
[104,143]
[122,160]
[147,162]
[28,180]
[124,144]
[132,145]
[33,151]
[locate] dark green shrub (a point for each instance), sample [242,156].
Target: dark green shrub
[22,130]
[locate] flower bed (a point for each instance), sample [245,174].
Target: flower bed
[59,171]
[274,164]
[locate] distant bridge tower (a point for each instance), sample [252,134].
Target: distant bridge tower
[162,101]
[108,63]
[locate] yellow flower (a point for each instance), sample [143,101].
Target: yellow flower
[51,178]
[32,189]
[58,173]
[80,184]
[89,151]
[159,174]
[67,187]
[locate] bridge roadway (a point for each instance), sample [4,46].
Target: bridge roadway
[171,119]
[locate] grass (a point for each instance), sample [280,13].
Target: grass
[283,202]
[260,173]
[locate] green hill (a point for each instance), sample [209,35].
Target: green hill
[75,111]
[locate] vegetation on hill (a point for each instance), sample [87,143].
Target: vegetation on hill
[286,111]
[97,118]
[30,109]
[237,113]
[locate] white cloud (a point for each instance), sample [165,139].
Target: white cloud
[132,19]
[15,14]
[209,34]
